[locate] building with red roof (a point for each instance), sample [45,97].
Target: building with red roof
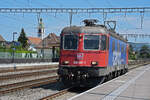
[46,46]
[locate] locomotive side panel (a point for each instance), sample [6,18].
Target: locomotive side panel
[117,54]
[114,52]
[127,53]
[123,53]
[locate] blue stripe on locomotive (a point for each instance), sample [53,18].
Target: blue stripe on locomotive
[123,54]
[115,57]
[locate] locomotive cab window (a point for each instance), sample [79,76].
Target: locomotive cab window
[118,47]
[70,42]
[113,46]
[91,42]
[61,42]
[103,42]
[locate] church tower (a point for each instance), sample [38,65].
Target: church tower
[41,29]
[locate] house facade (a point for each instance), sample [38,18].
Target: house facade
[2,41]
[46,48]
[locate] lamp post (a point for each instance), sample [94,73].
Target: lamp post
[13,45]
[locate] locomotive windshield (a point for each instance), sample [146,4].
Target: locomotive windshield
[91,42]
[70,42]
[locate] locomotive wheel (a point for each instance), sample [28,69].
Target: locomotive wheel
[102,79]
[123,71]
[109,77]
[106,78]
[66,81]
[118,73]
[126,69]
[114,74]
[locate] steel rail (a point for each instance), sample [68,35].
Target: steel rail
[136,66]
[23,75]
[50,97]
[27,84]
[26,69]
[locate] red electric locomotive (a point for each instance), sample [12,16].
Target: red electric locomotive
[90,53]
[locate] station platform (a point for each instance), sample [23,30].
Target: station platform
[27,64]
[134,85]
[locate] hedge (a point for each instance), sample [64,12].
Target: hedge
[17,51]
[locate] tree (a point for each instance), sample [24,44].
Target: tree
[23,39]
[132,55]
[145,52]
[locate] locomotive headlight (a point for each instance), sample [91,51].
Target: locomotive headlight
[80,36]
[66,62]
[94,63]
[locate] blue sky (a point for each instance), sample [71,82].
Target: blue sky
[55,22]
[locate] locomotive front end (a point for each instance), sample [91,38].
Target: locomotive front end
[90,53]
[82,54]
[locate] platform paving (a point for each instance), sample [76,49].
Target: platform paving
[27,64]
[134,85]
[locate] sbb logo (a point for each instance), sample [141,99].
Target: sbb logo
[80,56]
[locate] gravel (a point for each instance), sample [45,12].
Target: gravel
[36,93]
[11,81]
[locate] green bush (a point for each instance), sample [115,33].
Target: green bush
[16,51]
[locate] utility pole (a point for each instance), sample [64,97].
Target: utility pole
[14,49]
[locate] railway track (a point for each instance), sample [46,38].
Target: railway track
[23,75]
[62,92]
[26,69]
[138,65]
[27,84]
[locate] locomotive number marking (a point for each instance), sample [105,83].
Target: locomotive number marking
[79,62]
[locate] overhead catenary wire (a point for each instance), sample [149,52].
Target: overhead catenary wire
[75,10]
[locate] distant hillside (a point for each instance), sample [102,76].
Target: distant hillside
[137,46]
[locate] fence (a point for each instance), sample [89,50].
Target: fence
[13,57]
[6,55]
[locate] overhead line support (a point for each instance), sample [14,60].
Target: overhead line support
[75,10]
